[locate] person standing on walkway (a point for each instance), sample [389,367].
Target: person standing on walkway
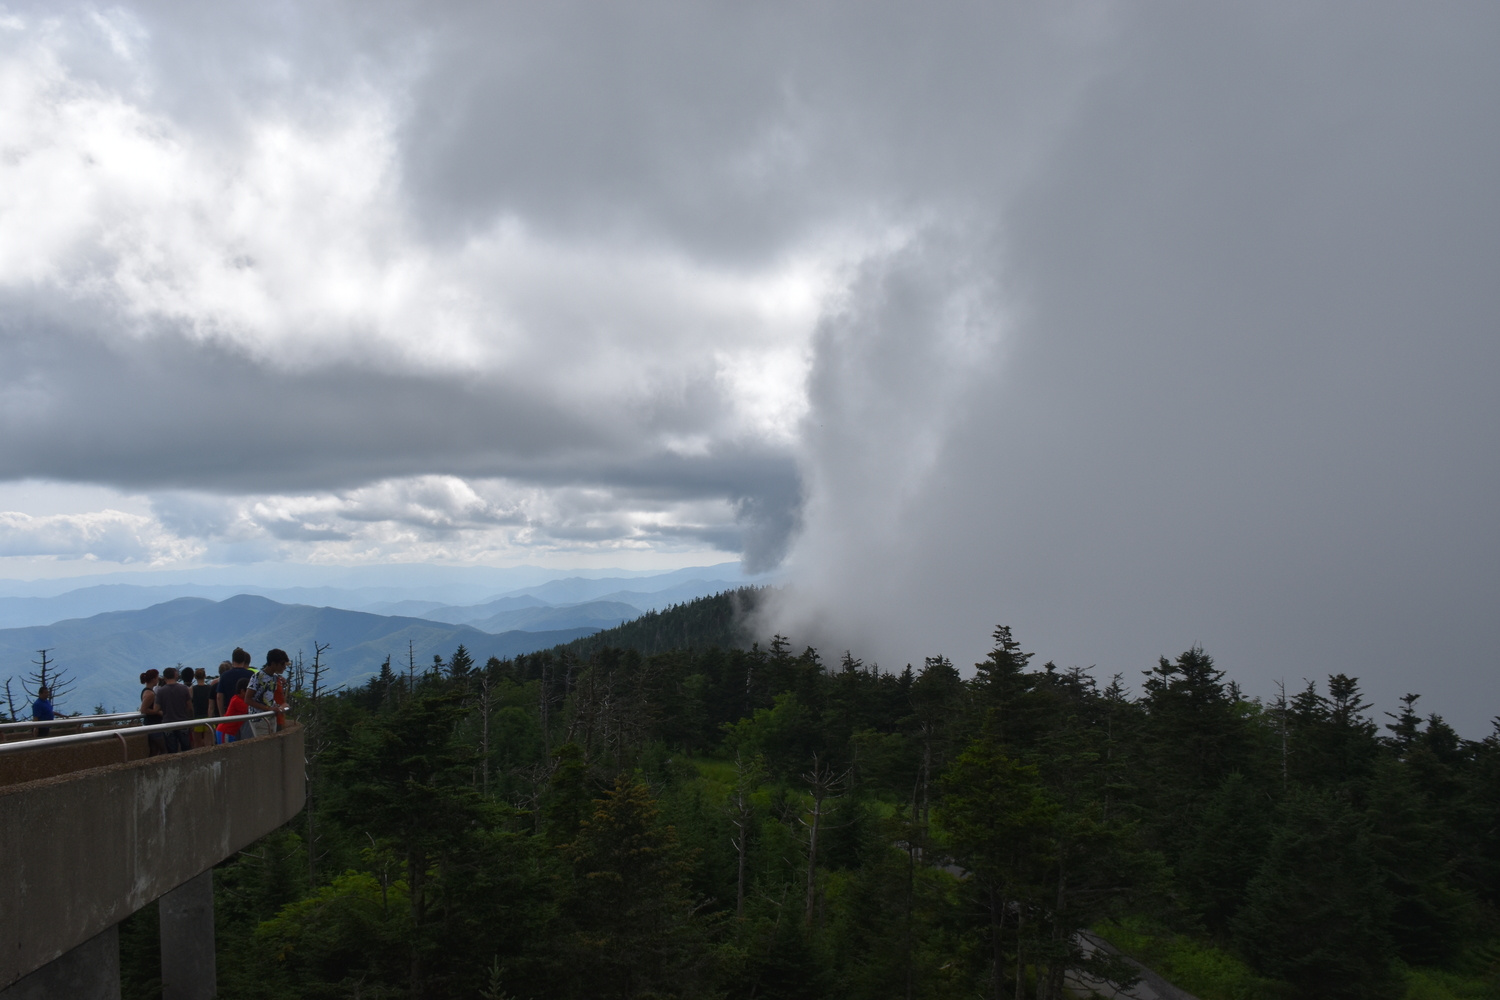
[216,704]
[229,681]
[41,710]
[203,698]
[151,714]
[262,696]
[176,703]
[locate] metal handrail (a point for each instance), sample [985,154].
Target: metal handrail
[68,720]
[104,734]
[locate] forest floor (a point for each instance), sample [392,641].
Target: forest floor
[1212,973]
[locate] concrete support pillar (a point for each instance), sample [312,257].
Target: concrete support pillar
[187,941]
[90,971]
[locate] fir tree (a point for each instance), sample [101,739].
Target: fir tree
[1315,914]
[635,932]
[461,662]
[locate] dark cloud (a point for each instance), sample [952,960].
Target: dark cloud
[167,412]
[732,132]
[1247,399]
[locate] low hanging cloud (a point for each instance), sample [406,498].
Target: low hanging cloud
[1242,387]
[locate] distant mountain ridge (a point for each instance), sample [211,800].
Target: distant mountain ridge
[594,614]
[418,599]
[529,610]
[456,614]
[105,653]
[399,581]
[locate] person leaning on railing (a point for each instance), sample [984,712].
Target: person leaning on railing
[229,680]
[41,710]
[203,697]
[176,703]
[262,696]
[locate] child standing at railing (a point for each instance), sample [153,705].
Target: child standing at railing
[229,732]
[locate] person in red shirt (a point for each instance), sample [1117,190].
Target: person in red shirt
[228,732]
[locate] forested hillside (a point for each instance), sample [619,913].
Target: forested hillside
[702,623]
[762,823]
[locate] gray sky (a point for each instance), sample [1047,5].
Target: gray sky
[1130,326]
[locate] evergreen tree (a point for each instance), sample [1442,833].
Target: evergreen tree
[1193,736]
[1319,849]
[1000,682]
[461,662]
[1226,850]
[996,821]
[568,799]
[1407,843]
[404,778]
[635,933]
[1315,914]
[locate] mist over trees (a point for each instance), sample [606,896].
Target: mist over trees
[705,821]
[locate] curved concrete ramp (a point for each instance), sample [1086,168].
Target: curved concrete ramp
[85,850]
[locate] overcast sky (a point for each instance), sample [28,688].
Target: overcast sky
[1133,326]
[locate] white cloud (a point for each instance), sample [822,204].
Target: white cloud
[106,535]
[290,237]
[443,518]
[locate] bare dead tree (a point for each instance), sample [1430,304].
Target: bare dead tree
[316,743]
[484,729]
[10,701]
[387,676]
[47,676]
[411,666]
[1281,709]
[546,723]
[296,674]
[741,813]
[594,719]
[920,792]
[825,786]
[536,778]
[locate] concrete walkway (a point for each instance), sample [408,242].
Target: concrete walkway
[85,849]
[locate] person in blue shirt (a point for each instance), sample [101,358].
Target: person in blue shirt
[229,680]
[41,710]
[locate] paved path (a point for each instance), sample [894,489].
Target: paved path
[1151,986]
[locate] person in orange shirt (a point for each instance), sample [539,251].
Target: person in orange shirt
[279,698]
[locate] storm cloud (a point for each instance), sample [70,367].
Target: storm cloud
[1131,327]
[1246,396]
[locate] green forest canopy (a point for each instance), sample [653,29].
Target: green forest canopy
[655,812]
